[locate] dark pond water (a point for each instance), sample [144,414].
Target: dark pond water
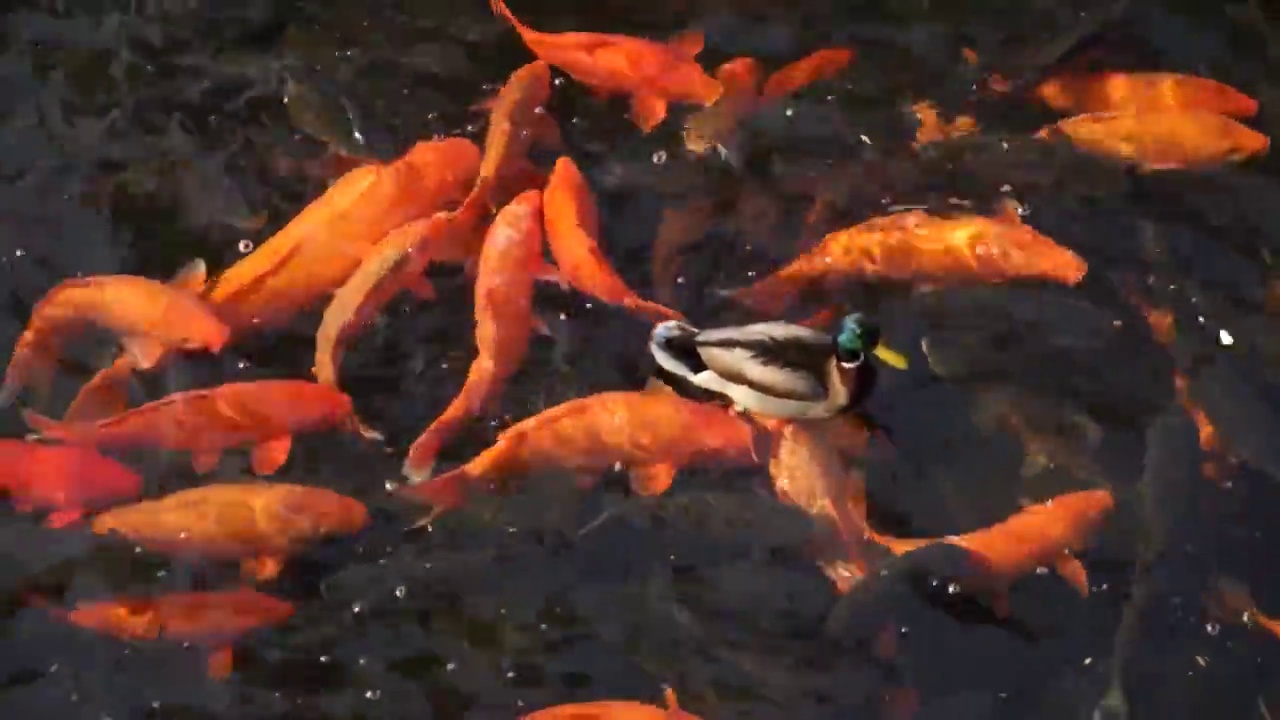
[138,135]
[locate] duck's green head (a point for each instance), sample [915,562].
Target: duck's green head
[857,337]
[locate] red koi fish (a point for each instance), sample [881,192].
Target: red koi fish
[1162,140]
[509,260]
[1039,535]
[210,620]
[148,316]
[809,473]
[65,480]
[518,121]
[573,226]
[652,434]
[319,249]
[107,392]
[814,67]
[652,73]
[913,246]
[258,524]
[264,415]
[615,710]
[395,265]
[1141,92]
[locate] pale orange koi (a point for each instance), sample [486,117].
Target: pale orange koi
[652,434]
[264,414]
[1162,140]
[1140,92]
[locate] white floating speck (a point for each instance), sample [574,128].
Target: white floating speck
[1225,339]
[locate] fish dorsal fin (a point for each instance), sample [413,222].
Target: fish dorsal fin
[191,276]
[687,42]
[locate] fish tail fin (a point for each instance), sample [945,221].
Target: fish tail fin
[656,312]
[501,10]
[41,424]
[444,492]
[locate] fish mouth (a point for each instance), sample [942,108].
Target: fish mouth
[890,357]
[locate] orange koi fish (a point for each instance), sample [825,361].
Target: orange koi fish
[1230,601]
[107,392]
[509,260]
[1036,536]
[148,316]
[518,121]
[65,480]
[934,128]
[1141,92]
[653,434]
[808,472]
[652,73]
[258,524]
[264,414]
[395,265]
[814,67]
[573,226]
[319,249]
[913,246]
[1162,141]
[615,710]
[211,620]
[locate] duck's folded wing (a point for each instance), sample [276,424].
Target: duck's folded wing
[746,367]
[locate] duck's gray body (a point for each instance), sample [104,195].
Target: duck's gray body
[774,368]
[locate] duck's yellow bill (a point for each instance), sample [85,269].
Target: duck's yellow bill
[892,358]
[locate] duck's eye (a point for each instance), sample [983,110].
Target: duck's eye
[849,358]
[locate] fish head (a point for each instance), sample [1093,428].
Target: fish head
[307,512]
[251,608]
[1243,142]
[1016,249]
[203,331]
[1229,101]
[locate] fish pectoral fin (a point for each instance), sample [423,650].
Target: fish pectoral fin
[267,457]
[62,518]
[205,461]
[220,662]
[191,277]
[263,568]
[541,327]
[654,479]
[647,111]
[1072,570]
[687,42]
[143,352]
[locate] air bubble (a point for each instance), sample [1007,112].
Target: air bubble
[245,247]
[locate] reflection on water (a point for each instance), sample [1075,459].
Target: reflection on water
[137,136]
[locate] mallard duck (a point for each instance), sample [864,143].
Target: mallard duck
[772,368]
